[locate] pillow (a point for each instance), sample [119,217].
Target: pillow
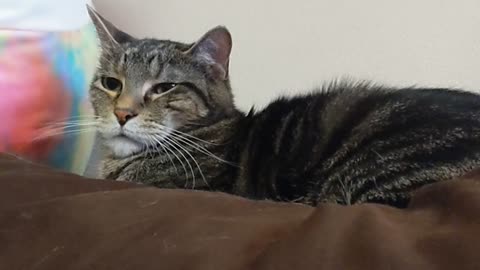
[44,81]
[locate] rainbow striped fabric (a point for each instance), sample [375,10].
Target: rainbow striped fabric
[44,79]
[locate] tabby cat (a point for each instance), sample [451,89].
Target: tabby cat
[168,119]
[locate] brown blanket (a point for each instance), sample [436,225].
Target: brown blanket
[53,220]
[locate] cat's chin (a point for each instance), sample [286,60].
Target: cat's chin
[122,146]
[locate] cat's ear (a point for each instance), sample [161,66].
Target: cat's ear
[214,49]
[108,34]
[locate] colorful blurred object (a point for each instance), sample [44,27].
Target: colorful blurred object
[44,78]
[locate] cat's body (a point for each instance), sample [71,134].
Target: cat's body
[168,118]
[346,144]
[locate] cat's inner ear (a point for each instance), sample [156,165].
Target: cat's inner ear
[214,49]
[108,33]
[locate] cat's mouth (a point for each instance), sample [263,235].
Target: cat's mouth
[124,142]
[122,135]
[123,145]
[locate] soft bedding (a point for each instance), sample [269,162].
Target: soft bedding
[54,220]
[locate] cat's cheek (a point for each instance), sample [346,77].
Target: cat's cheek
[173,120]
[181,116]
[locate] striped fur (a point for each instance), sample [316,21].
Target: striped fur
[344,143]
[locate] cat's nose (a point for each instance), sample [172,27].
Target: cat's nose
[123,115]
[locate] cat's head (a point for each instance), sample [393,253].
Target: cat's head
[143,89]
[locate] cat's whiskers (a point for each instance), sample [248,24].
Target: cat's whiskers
[189,123]
[157,140]
[80,117]
[176,147]
[152,148]
[66,127]
[71,123]
[76,118]
[183,137]
[196,163]
[144,160]
[201,149]
[70,127]
[52,133]
[170,158]
[155,145]
[174,142]
[183,133]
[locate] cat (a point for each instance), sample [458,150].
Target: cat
[168,119]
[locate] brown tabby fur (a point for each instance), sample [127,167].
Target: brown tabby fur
[344,143]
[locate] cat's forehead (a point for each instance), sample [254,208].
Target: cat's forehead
[146,59]
[146,49]
[150,59]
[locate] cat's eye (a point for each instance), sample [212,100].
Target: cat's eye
[163,87]
[111,84]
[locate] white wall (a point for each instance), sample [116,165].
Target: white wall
[290,46]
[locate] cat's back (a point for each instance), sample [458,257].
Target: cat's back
[345,130]
[347,102]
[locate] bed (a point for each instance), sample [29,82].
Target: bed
[54,220]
